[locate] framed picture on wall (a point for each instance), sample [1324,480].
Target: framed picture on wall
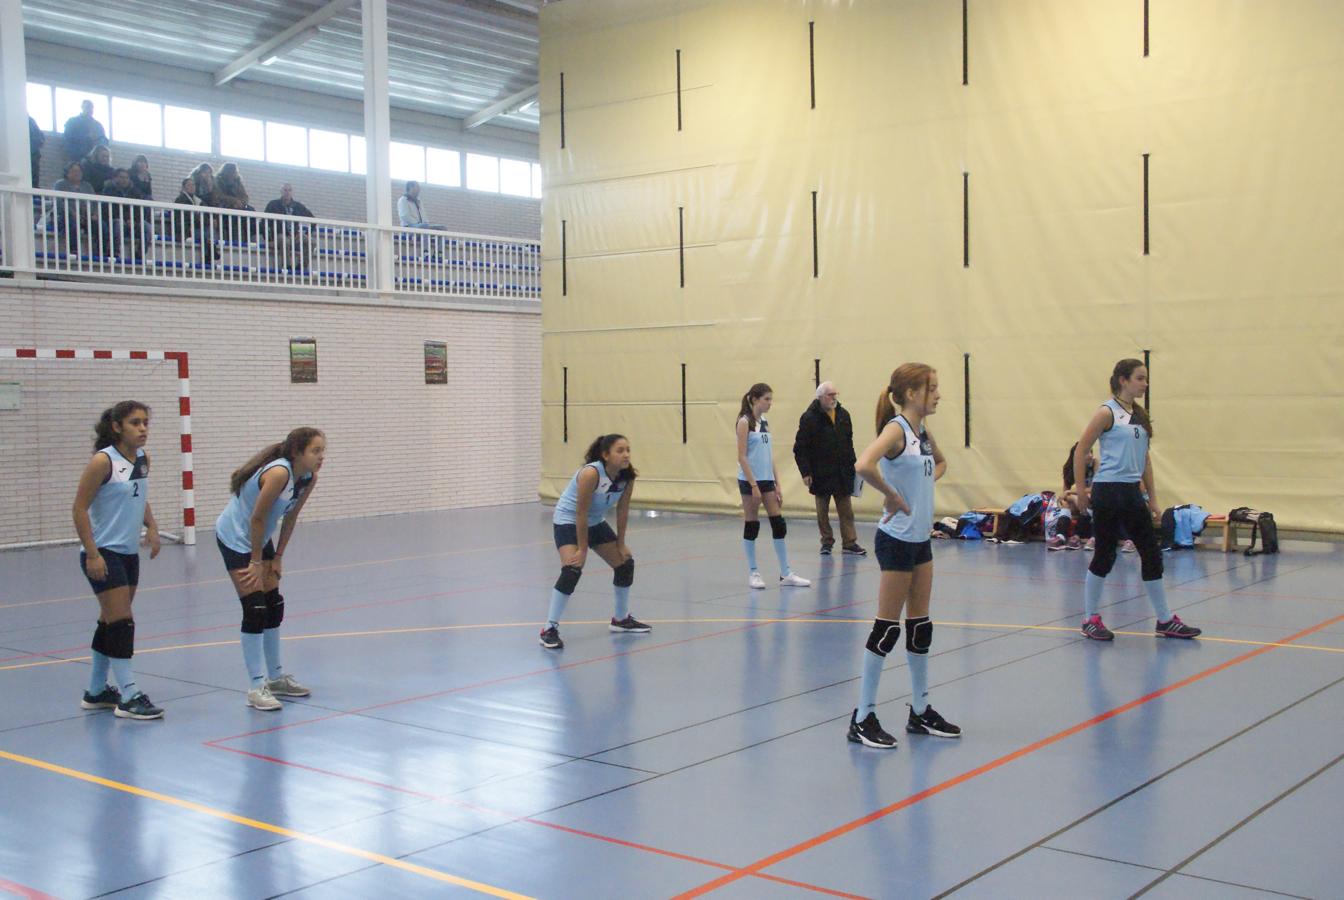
[436,362]
[303,360]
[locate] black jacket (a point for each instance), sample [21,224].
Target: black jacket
[825,451]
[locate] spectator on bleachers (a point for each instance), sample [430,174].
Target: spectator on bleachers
[187,224]
[230,193]
[98,166]
[73,213]
[35,141]
[187,195]
[408,208]
[289,243]
[122,221]
[141,180]
[82,133]
[203,176]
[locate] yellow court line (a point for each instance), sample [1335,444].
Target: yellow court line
[831,620]
[265,826]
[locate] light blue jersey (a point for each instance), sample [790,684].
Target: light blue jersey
[233,527]
[1124,448]
[911,473]
[118,509]
[605,496]
[758,453]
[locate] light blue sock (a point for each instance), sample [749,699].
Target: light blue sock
[98,673]
[558,601]
[254,658]
[121,671]
[919,681]
[270,642]
[782,551]
[750,547]
[622,602]
[1092,594]
[872,674]
[1157,595]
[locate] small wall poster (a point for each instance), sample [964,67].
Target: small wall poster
[303,360]
[436,362]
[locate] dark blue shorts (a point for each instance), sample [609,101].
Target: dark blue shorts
[895,555]
[123,570]
[744,487]
[233,560]
[568,535]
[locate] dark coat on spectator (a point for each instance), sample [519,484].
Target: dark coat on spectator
[277,207]
[825,450]
[96,173]
[143,185]
[81,134]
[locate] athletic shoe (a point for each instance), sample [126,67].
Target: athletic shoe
[1011,541]
[756,582]
[550,638]
[629,624]
[1127,547]
[262,698]
[138,707]
[107,698]
[1056,543]
[1177,629]
[1091,544]
[1075,543]
[793,580]
[286,686]
[869,732]
[855,550]
[1094,630]
[825,549]
[930,723]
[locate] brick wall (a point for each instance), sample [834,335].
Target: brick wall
[395,444]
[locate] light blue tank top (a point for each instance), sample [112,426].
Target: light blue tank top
[606,495]
[1124,448]
[758,453]
[118,509]
[233,527]
[911,473]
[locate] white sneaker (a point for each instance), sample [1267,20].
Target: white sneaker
[262,698]
[756,582]
[793,580]
[286,686]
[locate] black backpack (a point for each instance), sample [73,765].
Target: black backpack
[1262,523]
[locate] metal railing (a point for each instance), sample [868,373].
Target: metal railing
[100,237]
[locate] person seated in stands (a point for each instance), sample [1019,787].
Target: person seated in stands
[408,208]
[187,224]
[98,166]
[289,243]
[122,221]
[203,176]
[229,193]
[141,181]
[35,141]
[72,213]
[82,133]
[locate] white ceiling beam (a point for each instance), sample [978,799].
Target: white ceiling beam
[509,104]
[296,34]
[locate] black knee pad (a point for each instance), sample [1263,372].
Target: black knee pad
[750,530]
[568,580]
[918,635]
[120,638]
[778,527]
[254,612]
[100,639]
[884,636]
[624,574]
[275,609]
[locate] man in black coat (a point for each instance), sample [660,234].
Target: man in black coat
[824,451]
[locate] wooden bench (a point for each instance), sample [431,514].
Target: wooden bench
[995,513]
[1228,527]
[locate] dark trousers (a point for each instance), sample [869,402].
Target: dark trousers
[845,511]
[1119,510]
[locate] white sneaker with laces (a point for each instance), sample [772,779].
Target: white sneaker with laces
[262,698]
[793,580]
[756,582]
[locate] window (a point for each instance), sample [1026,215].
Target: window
[137,122]
[68,103]
[186,129]
[328,150]
[286,145]
[536,180]
[515,177]
[39,105]
[242,138]
[443,167]
[482,173]
[406,162]
[359,155]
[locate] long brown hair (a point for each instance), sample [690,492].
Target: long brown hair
[599,448]
[1124,369]
[906,377]
[756,392]
[291,448]
[104,434]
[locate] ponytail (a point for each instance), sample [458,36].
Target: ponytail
[104,434]
[600,446]
[907,377]
[290,448]
[754,393]
[886,411]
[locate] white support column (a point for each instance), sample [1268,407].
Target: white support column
[377,138]
[15,166]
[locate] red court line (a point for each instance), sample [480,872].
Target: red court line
[12,887]
[990,766]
